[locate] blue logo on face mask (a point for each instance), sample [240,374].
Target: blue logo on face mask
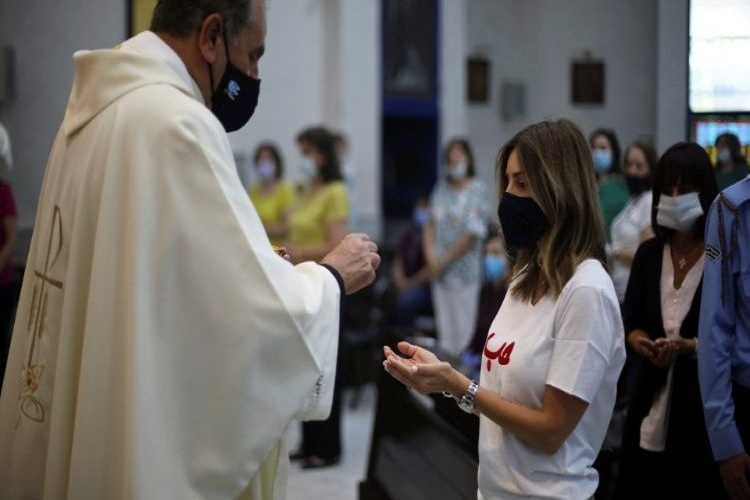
[233,90]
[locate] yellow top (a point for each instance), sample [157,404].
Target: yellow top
[308,224]
[272,206]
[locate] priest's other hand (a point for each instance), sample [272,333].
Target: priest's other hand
[356,259]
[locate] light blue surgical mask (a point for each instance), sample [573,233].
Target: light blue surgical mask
[266,170]
[602,160]
[679,212]
[494,267]
[420,216]
[458,171]
[308,168]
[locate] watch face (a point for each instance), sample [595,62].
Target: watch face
[466,406]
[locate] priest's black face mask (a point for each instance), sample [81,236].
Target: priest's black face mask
[234,100]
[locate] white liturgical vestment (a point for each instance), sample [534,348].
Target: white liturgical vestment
[161,346]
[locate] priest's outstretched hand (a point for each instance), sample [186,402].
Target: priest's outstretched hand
[356,259]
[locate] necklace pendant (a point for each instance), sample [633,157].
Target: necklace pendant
[682,263]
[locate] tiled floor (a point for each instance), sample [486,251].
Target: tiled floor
[341,481]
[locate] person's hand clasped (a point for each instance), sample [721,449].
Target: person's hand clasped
[422,370]
[661,352]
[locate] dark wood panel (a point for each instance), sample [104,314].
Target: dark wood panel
[420,451]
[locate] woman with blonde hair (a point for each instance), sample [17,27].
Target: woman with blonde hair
[555,349]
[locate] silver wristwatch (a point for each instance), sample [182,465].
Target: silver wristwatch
[466,403]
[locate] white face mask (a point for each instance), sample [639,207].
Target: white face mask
[308,168]
[725,156]
[458,171]
[679,212]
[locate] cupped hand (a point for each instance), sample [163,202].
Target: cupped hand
[422,370]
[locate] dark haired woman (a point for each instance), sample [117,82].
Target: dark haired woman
[317,224]
[453,246]
[731,164]
[318,221]
[272,196]
[611,187]
[665,449]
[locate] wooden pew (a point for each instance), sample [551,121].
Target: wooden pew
[420,451]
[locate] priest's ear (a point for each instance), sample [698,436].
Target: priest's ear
[210,39]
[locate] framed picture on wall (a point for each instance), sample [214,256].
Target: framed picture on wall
[478,80]
[587,82]
[410,49]
[139,15]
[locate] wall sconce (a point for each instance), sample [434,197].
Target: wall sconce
[512,100]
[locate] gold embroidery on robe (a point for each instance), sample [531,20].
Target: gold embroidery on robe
[33,370]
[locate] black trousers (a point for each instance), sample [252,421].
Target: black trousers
[323,438]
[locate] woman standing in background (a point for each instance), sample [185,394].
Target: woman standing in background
[632,226]
[612,190]
[665,448]
[272,196]
[318,221]
[731,165]
[317,224]
[453,247]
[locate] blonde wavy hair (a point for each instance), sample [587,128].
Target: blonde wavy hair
[560,176]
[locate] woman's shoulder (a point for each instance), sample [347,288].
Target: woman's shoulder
[333,192]
[590,274]
[334,187]
[589,270]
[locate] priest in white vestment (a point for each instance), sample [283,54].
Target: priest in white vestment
[161,346]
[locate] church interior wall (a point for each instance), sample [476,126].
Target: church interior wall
[322,65]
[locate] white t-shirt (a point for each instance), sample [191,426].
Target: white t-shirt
[626,231]
[575,344]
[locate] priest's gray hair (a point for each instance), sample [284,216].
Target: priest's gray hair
[181,17]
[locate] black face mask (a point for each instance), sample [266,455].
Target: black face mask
[637,185]
[234,100]
[522,220]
